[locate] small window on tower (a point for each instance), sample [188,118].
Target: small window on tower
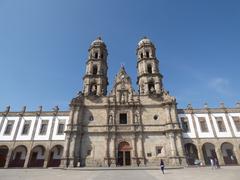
[141,55]
[149,68]
[101,55]
[96,55]
[147,54]
[95,69]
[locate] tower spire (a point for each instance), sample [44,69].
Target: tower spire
[95,79]
[149,79]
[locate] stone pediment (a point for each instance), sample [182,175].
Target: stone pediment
[122,88]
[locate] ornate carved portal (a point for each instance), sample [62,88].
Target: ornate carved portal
[124,154]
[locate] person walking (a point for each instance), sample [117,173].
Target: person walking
[162,166]
[212,163]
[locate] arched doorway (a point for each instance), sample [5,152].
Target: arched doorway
[3,155]
[18,156]
[228,154]
[208,152]
[55,156]
[124,154]
[37,157]
[191,153]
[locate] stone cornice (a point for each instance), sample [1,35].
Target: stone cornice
[147,59]
[208,110]
[34,113]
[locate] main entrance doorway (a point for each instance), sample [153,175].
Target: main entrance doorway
[124,154]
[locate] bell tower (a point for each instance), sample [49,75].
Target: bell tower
[149,78]
[95,79]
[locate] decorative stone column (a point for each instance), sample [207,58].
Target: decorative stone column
[64,160]
[236,151]
[46,158]
[200,153]
[180,149]
[27,158]
[72,150]
[173,150]
[134,150]
[219,155]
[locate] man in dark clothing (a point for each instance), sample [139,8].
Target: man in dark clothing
[162,166]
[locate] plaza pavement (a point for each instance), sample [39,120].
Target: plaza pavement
[203,173]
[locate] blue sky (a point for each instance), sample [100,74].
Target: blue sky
[43,47]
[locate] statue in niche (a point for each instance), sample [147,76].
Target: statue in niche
[123,98]
[137,117]
[131,96]
[123,82]
[110,119]
[93,89]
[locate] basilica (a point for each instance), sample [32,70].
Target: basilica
[122,127]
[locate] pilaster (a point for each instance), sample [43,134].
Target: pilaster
[8,158]
[219,155]
[27,158]
[46,158]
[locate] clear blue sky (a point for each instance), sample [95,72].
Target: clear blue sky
[43,47]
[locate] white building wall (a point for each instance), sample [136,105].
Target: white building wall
[201,134]
[28,136]
[0,122]
[46,136]
[13,131]
[192,133]
[236,133]
[58,119]
[218,133]
[31,132]
[210,134]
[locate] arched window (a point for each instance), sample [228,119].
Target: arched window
[96,55]
[141,55]
[147,54]
[149,68]
[93,89]
[151,87]
[95,69]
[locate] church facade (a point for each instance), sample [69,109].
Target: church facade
[122,127]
